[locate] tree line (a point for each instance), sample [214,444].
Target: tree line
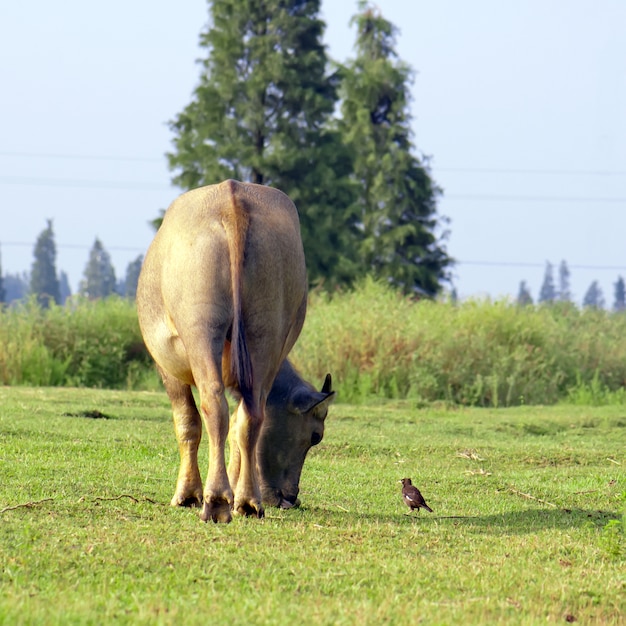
[272,108]
[551,292]
[47,285]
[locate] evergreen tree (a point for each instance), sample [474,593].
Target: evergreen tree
[43,278]
[2,291]
[620,295]
[547,294]
[396,215]
[99,275]
[15,287]
[594,297]
[64,287]
[132,277]
[565,295]
[523,296]
[261,113]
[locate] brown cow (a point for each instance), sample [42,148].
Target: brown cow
[221,301]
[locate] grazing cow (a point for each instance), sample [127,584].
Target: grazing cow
[221,301]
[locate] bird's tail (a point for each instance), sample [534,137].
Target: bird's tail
[425,506]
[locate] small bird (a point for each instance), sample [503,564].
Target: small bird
[412,496]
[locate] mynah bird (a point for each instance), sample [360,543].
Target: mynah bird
[412,496]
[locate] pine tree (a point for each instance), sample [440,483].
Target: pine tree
[16,287]
[99,275]
[261,113]
[523,296]
[565,295]
[594,297]
[620,295]
[2,291]
[547,294]
[65,290]
[398,228]
[132,277]
[43,279]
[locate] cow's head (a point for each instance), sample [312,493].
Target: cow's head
[294,422]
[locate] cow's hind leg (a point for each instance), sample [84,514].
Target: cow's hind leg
[188,428]
[244,470]
[218,495]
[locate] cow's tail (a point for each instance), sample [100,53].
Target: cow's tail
[236,222]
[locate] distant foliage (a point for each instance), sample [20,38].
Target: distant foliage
[85,344]
[594,297]
[523,296]
[547,292]
[374,341]
[2,291]
[377,343]
[99,277]
[16,287]
[132,277]
[44,283]
[620,295]
[565,294]
[64,287]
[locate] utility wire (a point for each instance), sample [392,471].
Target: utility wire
[80,157]
[68,246]
[531,264]
[462,170]
[516,198]
[148,186]
[458,262]
[100,184]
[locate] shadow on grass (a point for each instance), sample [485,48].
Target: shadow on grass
[509,523]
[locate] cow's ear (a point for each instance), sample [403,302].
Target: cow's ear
[328,384]
[308,401]
[321,408]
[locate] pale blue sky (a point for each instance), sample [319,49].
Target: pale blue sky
[520,105]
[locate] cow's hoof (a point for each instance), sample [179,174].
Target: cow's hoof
[288,503]
[216,511]
[250,509]
[190,501]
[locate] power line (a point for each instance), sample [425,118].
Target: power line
[541,265]
[86,157]
[478,263]
[77,183]
[516,198]
[69,246]
[539,172]
[462,170]
[148,186]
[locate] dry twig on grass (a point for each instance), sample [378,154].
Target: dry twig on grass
[469,454]
[530,497]
[25,505]
[124,495]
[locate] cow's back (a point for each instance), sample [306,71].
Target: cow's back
[213,241]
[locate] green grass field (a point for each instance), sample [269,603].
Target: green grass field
[528,522]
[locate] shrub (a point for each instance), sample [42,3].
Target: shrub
[376,342]
[84,343]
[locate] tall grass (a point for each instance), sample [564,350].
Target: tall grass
[83,344]
[483,353]
[375,342]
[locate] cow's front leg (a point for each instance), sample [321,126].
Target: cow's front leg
[188,429]
[218,495]
[247,492]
